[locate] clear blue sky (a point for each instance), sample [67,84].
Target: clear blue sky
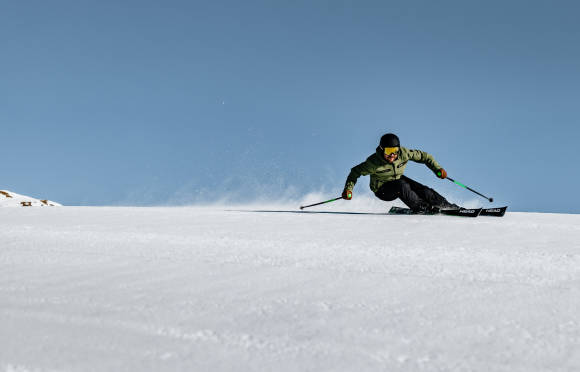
[156,102]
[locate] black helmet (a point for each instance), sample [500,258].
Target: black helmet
[389,140]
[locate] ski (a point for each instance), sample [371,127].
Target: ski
[399,210]
[462,212]
[466,212]
[493,212]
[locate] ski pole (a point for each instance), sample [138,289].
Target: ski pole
[470,189]
[328,201]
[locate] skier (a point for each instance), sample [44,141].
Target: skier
[386,167]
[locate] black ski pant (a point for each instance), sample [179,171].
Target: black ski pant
[416,196]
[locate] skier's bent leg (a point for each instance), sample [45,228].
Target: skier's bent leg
[389,191]
[429,195]
[400,188]
[411,198]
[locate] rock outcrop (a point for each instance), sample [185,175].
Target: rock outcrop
[11,199]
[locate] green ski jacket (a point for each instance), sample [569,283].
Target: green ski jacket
[382,171]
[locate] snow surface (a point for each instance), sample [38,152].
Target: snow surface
[269,289]
[11,199]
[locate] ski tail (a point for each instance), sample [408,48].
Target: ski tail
[494,212]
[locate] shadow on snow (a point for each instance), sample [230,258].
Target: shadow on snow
[304,212]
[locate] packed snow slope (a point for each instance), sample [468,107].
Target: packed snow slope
[273,289]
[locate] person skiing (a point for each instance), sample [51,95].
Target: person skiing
[386,167]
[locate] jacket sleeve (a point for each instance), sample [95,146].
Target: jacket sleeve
[419,156]
[363,169]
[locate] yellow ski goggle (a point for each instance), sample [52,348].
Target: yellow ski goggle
[391,150]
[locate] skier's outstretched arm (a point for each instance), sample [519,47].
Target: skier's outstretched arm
[363,169]
[423,157]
